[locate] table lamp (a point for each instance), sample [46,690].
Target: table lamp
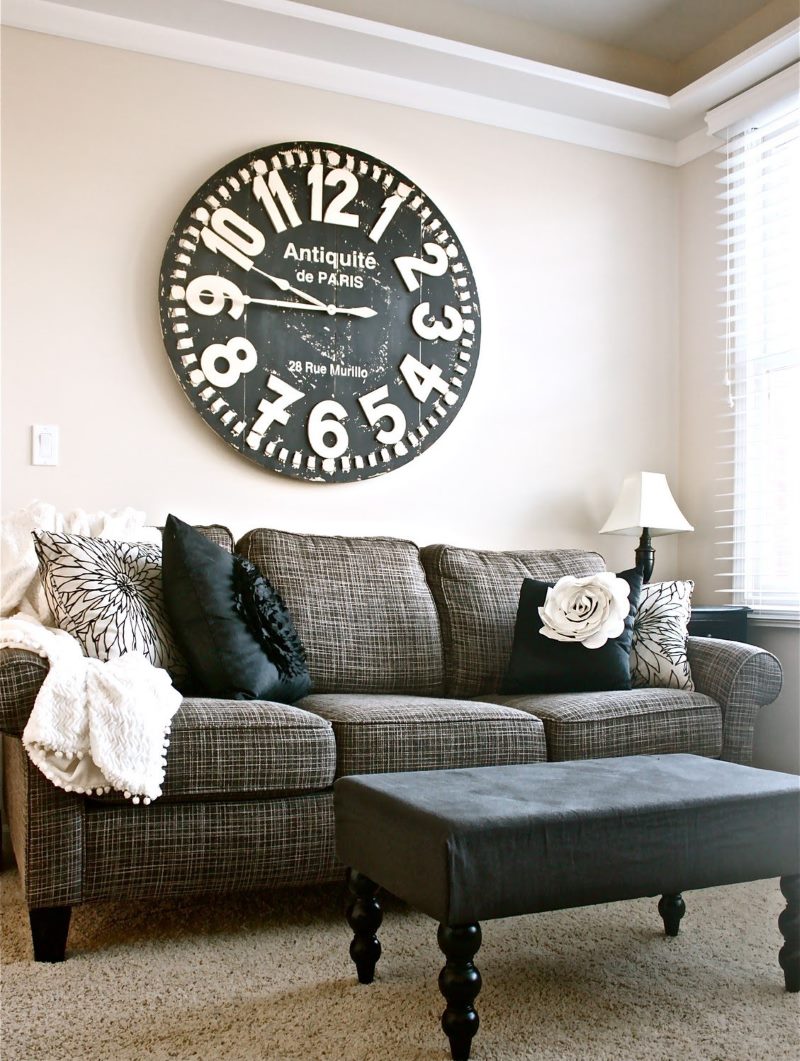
[645,506]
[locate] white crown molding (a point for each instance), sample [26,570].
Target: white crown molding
[295,42]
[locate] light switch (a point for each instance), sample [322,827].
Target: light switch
[44,444]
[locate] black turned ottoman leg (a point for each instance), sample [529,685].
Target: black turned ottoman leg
[789,924]
[460,983]
[49,928]
[364,915]
[672,908]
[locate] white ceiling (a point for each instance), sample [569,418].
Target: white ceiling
[327,44]
[665,29]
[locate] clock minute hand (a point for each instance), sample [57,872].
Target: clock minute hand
[352,311]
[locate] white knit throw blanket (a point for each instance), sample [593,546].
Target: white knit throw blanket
[96,725]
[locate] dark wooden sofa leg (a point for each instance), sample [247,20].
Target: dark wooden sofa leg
[364,915]
[672,908]
[49,928]
[789,924]
[460,982]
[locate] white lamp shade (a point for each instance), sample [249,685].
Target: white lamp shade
[645,500]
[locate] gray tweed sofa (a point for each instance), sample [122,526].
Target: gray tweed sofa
[406,649]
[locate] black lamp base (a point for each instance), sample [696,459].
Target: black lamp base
[645,555]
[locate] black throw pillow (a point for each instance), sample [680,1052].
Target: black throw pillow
[539,664]
[230,623]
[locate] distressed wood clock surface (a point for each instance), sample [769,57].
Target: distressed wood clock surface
[319,312]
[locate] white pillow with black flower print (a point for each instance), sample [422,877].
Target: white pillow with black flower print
[108,595]
[660,629]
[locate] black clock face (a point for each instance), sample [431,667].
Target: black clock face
[319,312]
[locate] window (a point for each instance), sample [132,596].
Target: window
[760,516]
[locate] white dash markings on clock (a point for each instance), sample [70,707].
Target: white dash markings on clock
[435,224]
[270,449]
[423,431]
[388,181]
[433,421]
[345,464]
[283,455]
[188,359]
[178,311]
[466,342]
[349,162]
[223,193]
[177,292]
[196,377]
[185,344]
[202,215]
[217,406]
[358,460]
[372,460]
[403,190]
[333,158]
[178,274]
[297,458]
[311,463]
[461,369]
[412,438]
[244,174]
[329,465]
[363,168]
[303,156]
[464,355]
[385,455]
[260,167]
[207,394]
[213,202]
[184,259]
[179,327]
[237,428]
[235,185]
[227,417]
[399,449]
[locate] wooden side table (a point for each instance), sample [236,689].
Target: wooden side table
[728,621]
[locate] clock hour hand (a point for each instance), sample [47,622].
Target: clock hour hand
[352,311]
[284,285]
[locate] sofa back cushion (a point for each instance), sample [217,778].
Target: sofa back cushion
[361,607]
[477,594]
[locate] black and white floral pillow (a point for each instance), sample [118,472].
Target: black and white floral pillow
[660,629]
[108,595]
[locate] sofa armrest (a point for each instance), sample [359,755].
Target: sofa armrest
[21,676]
[741,678]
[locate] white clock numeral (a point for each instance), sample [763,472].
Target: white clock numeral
[335,214]
[389,208]
[229,352]
[375,408]
[409,266]
[324,419]
[267,191]
[422,379]
[272,411]
[437,329]
[233,236]
[206,295]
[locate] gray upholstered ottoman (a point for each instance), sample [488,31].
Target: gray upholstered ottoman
[472,844]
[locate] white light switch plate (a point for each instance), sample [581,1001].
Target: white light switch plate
[44,444]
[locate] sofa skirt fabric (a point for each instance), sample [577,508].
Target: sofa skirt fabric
[177,849]
[477,594]
[21,676]
[361,607]
[624,722]
[382,734]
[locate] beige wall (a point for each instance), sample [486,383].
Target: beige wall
[702,404]
[574,251]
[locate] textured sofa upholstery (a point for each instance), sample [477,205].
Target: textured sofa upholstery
[406,650]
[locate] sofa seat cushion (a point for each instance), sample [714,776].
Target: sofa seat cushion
[235,748]
[624,722]
[361,606]
[388,733]
[477,594]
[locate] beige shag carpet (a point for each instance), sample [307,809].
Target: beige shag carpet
[268,976]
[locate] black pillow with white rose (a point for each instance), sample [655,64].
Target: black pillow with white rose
[574,635]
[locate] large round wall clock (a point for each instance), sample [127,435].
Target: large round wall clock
[319,312]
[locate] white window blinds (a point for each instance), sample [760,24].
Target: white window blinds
[759,523]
